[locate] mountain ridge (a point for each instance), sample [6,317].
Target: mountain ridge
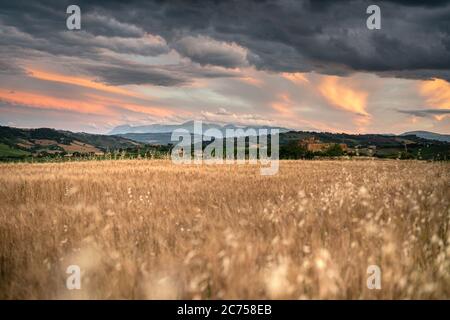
[188,125]
[429,135]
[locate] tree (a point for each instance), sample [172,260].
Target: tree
[334,151]
[294,151]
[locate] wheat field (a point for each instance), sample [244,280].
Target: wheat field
[148,229]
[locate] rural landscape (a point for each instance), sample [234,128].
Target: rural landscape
[45,144]
[215,150]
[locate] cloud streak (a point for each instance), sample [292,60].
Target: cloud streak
[339,93]
[78,81]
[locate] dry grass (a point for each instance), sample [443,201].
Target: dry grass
[150,229]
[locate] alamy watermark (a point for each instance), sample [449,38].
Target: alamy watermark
[373,22]
[236,146]
[374,278]
[73,22]
[73,281]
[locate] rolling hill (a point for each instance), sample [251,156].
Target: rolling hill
[17,143]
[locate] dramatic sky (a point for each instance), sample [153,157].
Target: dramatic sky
[308,65]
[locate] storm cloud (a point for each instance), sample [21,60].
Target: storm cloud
[327,37]
[118,75]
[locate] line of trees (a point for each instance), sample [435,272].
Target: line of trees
[293,150]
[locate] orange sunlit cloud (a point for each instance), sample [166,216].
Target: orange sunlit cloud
[296,77]
[436,93]
[283,105]
[252,81]
[439,117]
[343,96]
[78,81]
[47,102]
[151,110]
[96,104]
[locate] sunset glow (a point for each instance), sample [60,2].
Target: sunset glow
[344,96]
[437,93]
[83,82]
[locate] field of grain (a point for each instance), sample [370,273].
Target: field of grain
[143,229]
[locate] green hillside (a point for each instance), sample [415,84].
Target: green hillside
[18,143]
[7,151]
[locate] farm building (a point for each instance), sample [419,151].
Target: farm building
[315,145]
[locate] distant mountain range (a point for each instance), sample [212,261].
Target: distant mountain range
[429,135]
[161,134]
[189,125]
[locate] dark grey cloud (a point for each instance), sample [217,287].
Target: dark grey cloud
[323,36]
[109,26]
[426,112]
[195,70]
[10,68]
[121,75]
[147,45]
[424,74]
[116,71]
[207,51]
